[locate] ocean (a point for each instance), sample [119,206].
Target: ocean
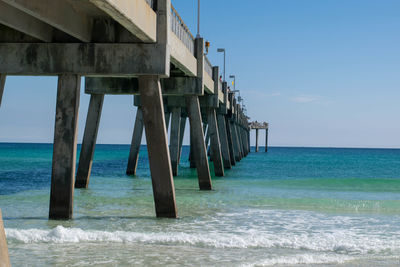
[287,207]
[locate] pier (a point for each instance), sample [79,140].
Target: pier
[138,48]
[260,126]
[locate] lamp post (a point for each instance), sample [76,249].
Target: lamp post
[198,19]
[220,50]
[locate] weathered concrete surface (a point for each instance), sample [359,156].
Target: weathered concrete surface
[215,146]
[22,22]
[230,142]
[134,15]
[135,144]
[4,257]
[64,149]
[157,145]
[182,57]
[2,85]
[89,141]
[223,137]
[84,59]
[173,86]
[59,14]
[199,149]
[175,139]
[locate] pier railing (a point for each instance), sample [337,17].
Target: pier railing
[181,30]
[208,67]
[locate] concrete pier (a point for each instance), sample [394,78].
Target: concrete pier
[199,152]
[136,48]
[157,145]
[135,144]
[89,141]
[175,139]
[64,149]
[4,256]
[266,140]
[215,146]
[2,85]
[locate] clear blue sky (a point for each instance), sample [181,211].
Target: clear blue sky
[322,72]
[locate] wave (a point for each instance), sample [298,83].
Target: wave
[344,242]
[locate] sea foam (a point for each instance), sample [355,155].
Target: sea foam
[339,242]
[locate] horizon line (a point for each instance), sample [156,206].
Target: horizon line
[278,146]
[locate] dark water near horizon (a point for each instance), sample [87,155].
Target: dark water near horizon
[290,206]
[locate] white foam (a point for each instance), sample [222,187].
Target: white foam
[301,259]
[343,242]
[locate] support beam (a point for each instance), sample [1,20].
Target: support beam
[4,257]
[64,148]
[181,135]
[199,152]
[135,16]
[59,14]
[175,139]
[215,146]
[224,141]
[2,85]
[157,145]
[266,140]
[89,141]
[91,59]
[135,144]
[230,142]
[256,140]
[22,22]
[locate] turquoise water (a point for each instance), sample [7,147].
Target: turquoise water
[311,206]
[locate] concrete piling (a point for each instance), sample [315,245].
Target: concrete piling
[4,256]
[175,139]
[181,135]
[256,140]
[2,85]
[223,137]
[199,152]
[135,144]
[64,149]
[266,140]
[167,118]
[215,146]
[89,141]
[230,142]
[235,142]
[157,145]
